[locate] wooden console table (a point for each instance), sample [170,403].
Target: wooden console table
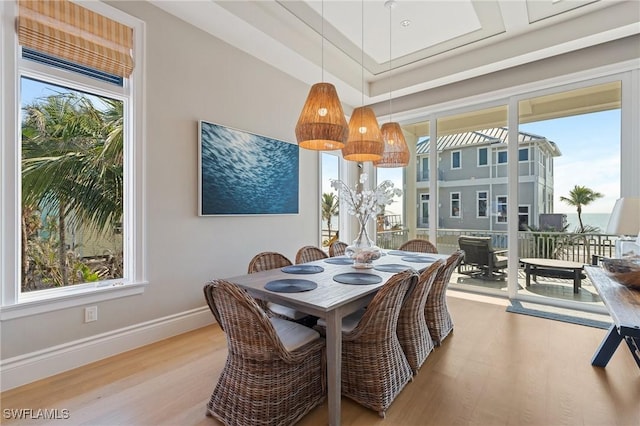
[623,305]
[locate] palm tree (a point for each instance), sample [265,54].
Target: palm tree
[330,207]
[72,164]
[581,196]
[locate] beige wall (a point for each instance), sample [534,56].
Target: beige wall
[191,76]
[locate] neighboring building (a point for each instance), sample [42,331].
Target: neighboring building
[472,179]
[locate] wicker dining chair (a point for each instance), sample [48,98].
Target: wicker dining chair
[265,261]
[436,311]
[309,254]
[419,245]
[337,248]
[374,367]
[413,332]
[275,369]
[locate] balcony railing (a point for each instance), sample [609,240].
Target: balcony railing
[550,245]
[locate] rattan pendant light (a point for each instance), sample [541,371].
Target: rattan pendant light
[365,140]
[322,125]
[396,151]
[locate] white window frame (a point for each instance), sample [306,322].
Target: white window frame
[528,207]
[498,152]
[424,202]
[486,200]
[459,152]
[451,201]
[424,160]
[506,206]
[13,303]
[478,156]
[528,154]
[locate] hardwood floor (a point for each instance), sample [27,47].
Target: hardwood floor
[497,368]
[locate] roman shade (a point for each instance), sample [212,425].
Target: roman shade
[68,31]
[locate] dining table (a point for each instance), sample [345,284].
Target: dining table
[325,297]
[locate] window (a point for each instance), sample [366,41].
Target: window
[483,157]
[501,209]
[523,218]
[523,154]
[482,197]
[329,201]
[81,228]
[455,204]
[456,159]
[502,157]
[424,209]
[425,168]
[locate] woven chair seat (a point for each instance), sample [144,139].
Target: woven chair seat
[436,311]
[413,331]
[275,371]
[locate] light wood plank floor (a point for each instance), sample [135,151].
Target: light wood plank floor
[497,368]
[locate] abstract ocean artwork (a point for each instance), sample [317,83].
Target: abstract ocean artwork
[241,173]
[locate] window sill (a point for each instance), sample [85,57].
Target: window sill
[39,305]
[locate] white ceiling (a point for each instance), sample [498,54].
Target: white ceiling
[446,41]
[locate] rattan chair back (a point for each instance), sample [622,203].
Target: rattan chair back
[268,260]
[337,248]
[419,245]
[413,332]
[374,367]
[262,382]
[436,311]
[310,254]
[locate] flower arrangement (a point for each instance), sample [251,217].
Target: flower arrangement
[365,204]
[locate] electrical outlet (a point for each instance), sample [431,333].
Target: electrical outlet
[91,314]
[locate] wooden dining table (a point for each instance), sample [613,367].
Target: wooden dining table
[332,301]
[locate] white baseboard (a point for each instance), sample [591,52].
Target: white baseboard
[27,368]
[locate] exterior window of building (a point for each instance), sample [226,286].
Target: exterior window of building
[455,204]
[483,157]
[425,168]
[523,218]
[523,154]
[80,164]
[501,209]
[502,157]
[424,210]
[456,159]
[482,197]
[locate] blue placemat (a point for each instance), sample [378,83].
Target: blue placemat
[339,260]
[392,267]
[419,259]
[302,269]
[399,252]
[288,285]
[358,278]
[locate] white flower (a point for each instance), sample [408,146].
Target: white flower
[365,203]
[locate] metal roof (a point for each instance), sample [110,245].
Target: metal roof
[497,135]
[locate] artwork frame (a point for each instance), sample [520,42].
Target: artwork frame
[245,174]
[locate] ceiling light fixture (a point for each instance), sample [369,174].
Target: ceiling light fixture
[322,124]
[365,140]
[396,152]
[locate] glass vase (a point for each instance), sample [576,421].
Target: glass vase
[363,251]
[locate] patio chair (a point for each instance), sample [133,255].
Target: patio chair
[479,255]
[374,367]
[309,254]
[413,332]
[273,260]
[275,369]
[436,310]
[419,245]
[337,248]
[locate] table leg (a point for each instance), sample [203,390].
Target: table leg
[576,280]
[334,366]
[607,347]
[527,271]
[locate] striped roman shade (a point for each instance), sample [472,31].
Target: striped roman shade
[65,30]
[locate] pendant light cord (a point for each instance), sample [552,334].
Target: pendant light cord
[390,86]
[362,56]
[322,35]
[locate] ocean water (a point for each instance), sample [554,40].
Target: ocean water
[599,220]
